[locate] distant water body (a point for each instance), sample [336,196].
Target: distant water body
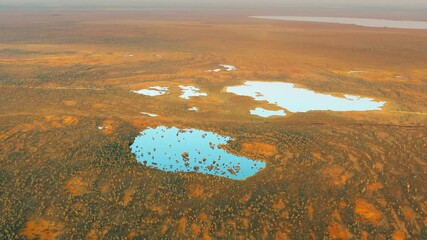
[365,22]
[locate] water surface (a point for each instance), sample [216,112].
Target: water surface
[152,91]
[191,150]
[226,67]
[191,91]
[267,113]
[294,99]
[149,114]
[365,22]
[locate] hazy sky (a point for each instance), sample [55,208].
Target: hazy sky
[221,3]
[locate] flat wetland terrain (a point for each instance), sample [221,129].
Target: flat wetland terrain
[68,116]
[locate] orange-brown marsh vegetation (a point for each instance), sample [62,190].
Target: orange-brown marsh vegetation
[335,175]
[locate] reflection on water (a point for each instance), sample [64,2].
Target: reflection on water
[227,67]
[267,113]
[152,91]
[191,91]
[294,99]
[365,22]
[191,150]
[149,114]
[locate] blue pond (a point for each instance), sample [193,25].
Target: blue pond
[191,150]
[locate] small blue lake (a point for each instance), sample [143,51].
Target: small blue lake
[191,150]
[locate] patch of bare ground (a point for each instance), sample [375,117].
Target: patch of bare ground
[367,212]
[337,231]
[336,175]
[259,148]
[77,186]
[128,195]
[41,229]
